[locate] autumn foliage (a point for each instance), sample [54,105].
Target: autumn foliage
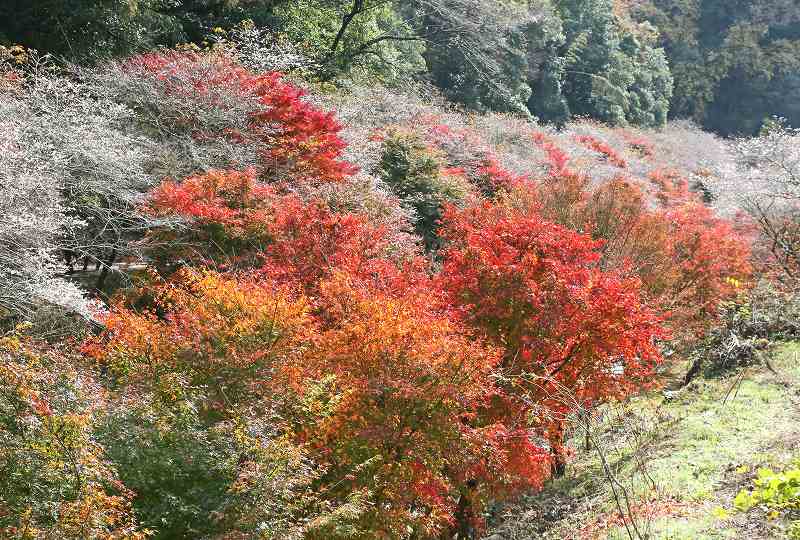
[421,386]
[56,480]
[603,149]
[567,328]
[297,141]
[201,329]
[688,259]
[408,380]
[230,220]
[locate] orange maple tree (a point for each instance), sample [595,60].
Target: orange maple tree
[571,333]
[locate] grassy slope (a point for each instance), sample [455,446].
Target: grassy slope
[680,460]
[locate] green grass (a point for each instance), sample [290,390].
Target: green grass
[686,457]
[712,445]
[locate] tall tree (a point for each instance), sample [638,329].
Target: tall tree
[729,58]
[612,70]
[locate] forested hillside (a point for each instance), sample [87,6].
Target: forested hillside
[371,269]
[728,66]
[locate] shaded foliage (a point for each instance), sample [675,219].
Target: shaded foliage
[731,60]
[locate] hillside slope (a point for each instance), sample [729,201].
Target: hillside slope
[681,459]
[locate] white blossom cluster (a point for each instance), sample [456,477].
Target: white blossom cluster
[765,172]
[260,50]
[32,217]
[763,181]
[70,180]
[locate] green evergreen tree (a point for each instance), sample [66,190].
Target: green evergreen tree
[734,61]
[545,67]
[477,52]
[612,70]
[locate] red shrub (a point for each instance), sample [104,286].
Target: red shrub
[602,148]
[309,242]
[556,157]
[684,255]
[224,218]
[298,141]
[406,380]
[303,141]
[492,177]
[534,288]
[232,221]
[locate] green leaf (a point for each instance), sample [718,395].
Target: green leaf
[764,472]
[744,501]
[720,513]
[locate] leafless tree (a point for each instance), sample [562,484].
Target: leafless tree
[763,181]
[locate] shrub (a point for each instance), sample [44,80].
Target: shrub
[416,174]
[197,429]
[234,479]
[604,149]
[229,220]
[406,384]
[778,494]
[686,257]
[533,288]
[211,97]
[71,180]
[197,331]
[762,184]
[56,480]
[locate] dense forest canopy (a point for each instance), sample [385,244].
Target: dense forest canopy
[735,63]
[369,269]
[727,66]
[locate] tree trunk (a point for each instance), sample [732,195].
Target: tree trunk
[464,518]
[101,280]
[69,259]
[556,438]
